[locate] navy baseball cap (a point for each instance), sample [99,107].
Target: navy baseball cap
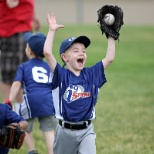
[69,41]
[36,42]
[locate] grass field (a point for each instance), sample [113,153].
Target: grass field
[125,108]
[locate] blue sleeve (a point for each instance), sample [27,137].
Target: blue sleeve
[12,117]
[99,77]
[19,73]
[57,77]
[7,116]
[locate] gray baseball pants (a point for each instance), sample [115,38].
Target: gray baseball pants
[75,141]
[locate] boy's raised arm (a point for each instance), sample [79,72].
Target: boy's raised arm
[110,55]
[53,26]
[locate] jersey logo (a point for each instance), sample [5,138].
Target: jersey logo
[74,92]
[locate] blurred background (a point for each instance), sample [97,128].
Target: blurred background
[85,11]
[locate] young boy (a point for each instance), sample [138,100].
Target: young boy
[7,116]
[78,91]
[35,77]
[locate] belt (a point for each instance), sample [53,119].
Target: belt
[74,126]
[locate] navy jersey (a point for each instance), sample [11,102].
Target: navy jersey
[78,94]
[7,116]
[36,77]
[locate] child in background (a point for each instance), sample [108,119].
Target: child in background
[35,77]
[7,117]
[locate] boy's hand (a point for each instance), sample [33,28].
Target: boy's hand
[8,102]
[36,24]
[53,26]
[110,30]
[12,3]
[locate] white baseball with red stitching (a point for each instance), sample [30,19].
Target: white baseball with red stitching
[109,19]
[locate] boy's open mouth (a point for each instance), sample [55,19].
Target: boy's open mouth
[80,60]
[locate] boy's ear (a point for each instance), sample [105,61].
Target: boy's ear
[63,57]
[31,52]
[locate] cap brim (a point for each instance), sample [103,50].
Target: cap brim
[27,36]
[69,41]
[83,39]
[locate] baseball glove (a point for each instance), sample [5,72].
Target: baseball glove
[110,30]
[11,137]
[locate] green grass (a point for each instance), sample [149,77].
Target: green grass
[125,108]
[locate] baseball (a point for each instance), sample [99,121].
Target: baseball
[109,19]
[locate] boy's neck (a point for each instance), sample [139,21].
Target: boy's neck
[77,73]
[33,56]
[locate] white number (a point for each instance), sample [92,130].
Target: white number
[40,75]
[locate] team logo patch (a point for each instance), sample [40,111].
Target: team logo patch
[74,92]
[71,39]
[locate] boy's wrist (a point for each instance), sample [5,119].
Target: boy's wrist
[50,30]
